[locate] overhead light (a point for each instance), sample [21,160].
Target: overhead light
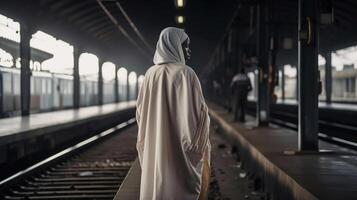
[180,3]
[180,19]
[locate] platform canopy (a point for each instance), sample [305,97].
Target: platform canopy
[85,23]
[13,48]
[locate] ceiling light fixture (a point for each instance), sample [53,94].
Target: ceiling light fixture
[180,3]
[180,19]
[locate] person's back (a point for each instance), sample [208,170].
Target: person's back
[173,132]
[241,86]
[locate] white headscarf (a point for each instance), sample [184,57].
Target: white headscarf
[168,47]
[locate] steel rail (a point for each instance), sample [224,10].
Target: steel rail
[66,152]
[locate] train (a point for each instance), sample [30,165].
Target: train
[50,91]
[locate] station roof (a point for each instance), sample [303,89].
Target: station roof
[340,34]
[84,23]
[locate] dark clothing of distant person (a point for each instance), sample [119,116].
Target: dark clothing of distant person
[241,86]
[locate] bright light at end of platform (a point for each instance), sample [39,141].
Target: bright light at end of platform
[179,3]
[180,19]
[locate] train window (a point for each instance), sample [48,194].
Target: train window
[350,85]
[290,76]
[17,84]
[65,89]
[43,86]
[83,87]
[37,86]
[7,79]
[49,86]
[95,89]
[32,85]
[70,87]
[344,74]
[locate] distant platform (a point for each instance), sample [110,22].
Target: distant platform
[17,128]
[311,176]
[324,105]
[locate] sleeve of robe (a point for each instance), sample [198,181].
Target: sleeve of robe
[137,116]
[200,143]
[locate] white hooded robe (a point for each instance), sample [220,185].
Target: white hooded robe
[173,125]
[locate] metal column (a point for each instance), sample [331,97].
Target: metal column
[308,74]
[127,87]
[263,66]
[76,79]
[100,82]
[25,54]
[116,84]
[328,77]
[283,83]
[239,59]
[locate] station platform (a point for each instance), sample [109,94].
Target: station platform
[24,140]
[302,176]
[227,180]
[248,162]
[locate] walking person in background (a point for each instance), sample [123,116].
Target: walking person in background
[172,116]
[241,86]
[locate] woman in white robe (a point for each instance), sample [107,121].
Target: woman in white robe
[173,125]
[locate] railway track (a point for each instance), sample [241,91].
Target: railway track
[92,169]
[335,126]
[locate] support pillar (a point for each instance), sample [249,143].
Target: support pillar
[76,78]
[25,55]
[127,87]
[116,85]
[308,74]
[283,83]
[239,58]
[328,77]
[100,82]
[263,66]
[273,36]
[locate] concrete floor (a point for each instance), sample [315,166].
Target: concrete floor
[228,180]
